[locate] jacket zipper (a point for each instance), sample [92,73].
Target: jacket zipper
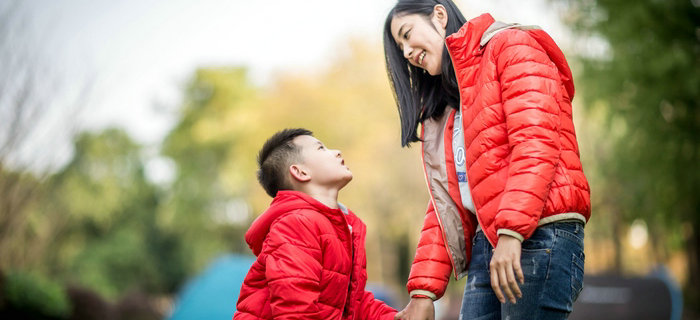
[349,232]
[471,195]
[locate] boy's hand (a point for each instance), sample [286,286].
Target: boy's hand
[505,267]
[417,309]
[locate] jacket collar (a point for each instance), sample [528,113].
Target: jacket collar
[284,202]
[466,41]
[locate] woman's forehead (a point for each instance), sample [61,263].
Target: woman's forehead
[400,21]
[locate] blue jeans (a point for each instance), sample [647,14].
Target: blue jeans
[552,262]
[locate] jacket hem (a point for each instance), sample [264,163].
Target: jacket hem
[575,216]
[561,217]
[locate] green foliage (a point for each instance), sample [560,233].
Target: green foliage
[36,293]
[647,80]
[109,238]
[116,263]
[201,145]
[644,84]
[19,192]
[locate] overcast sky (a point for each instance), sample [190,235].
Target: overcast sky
[137,54]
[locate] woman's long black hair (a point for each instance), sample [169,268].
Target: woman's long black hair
[419,95]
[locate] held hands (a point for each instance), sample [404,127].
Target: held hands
[417,309]
[505,268]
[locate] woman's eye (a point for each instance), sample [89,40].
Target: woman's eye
[405,35]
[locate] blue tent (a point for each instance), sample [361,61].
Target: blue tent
[213,294]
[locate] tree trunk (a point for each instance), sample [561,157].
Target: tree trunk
[617,235]
[692,288]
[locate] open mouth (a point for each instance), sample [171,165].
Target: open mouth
[421,57]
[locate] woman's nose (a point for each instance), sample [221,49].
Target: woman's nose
[407,50]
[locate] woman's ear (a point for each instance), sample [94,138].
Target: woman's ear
[299,173]
[439,16]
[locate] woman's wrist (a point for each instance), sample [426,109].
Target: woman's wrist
[421,294]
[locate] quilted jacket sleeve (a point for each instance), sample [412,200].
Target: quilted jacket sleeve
[430,271]
[293,268]
[530,87]
[373,309]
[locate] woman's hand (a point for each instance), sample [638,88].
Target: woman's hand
[505,267]
[417,309]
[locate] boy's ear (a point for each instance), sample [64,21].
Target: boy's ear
[299,173]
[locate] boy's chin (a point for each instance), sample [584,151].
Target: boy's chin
[345,180]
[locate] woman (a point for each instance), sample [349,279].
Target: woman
[509,199]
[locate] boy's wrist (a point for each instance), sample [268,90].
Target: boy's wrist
[420,296]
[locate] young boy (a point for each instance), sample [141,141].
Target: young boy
[310,249]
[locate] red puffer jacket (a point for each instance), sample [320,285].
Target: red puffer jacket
[522,158]
[310,264]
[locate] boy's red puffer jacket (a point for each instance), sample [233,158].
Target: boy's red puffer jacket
[522,157]
[310,264]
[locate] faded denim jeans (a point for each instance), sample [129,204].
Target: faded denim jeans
[552,262]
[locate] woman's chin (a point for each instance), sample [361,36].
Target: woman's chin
[434,72]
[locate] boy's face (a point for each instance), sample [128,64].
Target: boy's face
[324,166]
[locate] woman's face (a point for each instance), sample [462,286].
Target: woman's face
[421,39]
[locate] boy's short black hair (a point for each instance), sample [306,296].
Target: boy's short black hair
[275,157]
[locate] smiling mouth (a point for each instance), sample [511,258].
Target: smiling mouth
[421,57]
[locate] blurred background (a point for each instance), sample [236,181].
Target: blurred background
[129,130]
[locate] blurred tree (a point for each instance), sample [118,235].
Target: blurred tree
[101,214]
[32,296]
[641,71]
[30,136]
[216,122]
[19,192]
